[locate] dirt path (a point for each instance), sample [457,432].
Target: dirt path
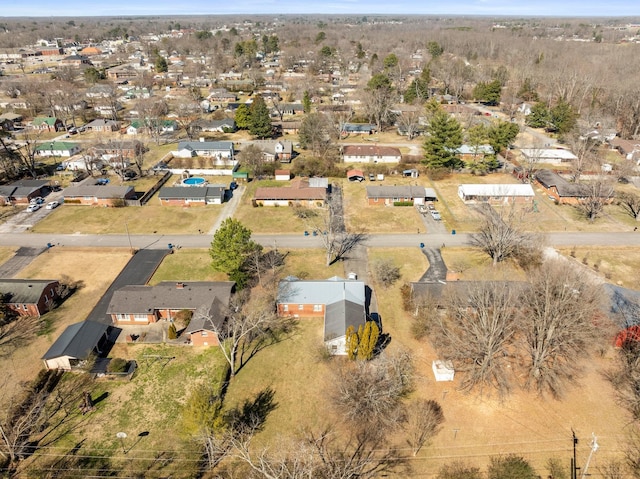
[229,209]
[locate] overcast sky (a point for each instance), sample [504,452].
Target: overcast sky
[573,8]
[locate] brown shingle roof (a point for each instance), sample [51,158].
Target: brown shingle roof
[370,150]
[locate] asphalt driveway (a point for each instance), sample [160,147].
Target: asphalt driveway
[138,270]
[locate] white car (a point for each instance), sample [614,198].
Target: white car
[33,207]
[52,205]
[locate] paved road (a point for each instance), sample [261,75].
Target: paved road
[159,241]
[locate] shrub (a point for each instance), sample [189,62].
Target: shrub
[386,272]
[117,365]
[403,203]
[173,332]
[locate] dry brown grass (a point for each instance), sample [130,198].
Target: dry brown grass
[152,218]
[614,264]
[96,269]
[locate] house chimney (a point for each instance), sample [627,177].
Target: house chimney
[179,285]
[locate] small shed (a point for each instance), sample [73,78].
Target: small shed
[355,175]
[443,370]
[413,173]
[283,175]
[75,344]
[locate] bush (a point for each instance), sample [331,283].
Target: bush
[386,272]
[173,332]
[403,203]
[118,365]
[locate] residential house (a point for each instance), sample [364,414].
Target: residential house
[222,95]
[474,152]
[387,195]
[221,152]
[21,192]
[103,125]
[118,149]
[191,195]
[29,297]
[58,148]
[76,343]
[90,50]
[287,127]
[220,126]
[99,91]
[565,192]
[47,123]
[630,149]
[6,124]
[98,195]
[288,109]
[75,61]
[110,110]
[496,193]
[551,156]
[83,162]
[299,193]
[275,150]
[136,127]
[123,72]
[358,129]
[340,302]
[14,118]
[169,126]
[371,154]
[143,304]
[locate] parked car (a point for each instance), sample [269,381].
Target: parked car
[372,177]
[52,205]
[33,207]
[36,201]
[435,215]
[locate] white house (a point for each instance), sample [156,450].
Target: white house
[495,193]
[222,152]
[552,156]
[371,154]
[58,148]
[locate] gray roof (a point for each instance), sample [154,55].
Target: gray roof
[77,340]
[205,145]
[25,291]
[403,191]
[340,315]
[548,179]
[328,291]
[7,191]
[191,192]
[31,183]
[216,314]
[95,191]
[138,299]
[25,191]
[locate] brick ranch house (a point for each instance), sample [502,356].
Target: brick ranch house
[143,305]
[388,195]
[98,195]
[563,191]
[301,192]
[30,297]
[340,302]
[496,193]
[191,195]
[371,154]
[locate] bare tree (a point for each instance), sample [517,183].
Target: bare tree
[597,194]
[25,152]
[530,162]
[423,421]
[409,122]
[630,203]
[252,158]
[501,234]
[476,333]
[386,271]
[584,150]
[369,393]
[14,332]
[558,307]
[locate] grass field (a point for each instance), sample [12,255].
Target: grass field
[152,218]
[618,265]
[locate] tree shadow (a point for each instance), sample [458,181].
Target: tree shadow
[101,398]
[253,413]
[285,329]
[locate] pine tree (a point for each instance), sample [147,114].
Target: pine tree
[444,137]
[230,248]
[242,117]
[368,340]
[306,101]
[259,119]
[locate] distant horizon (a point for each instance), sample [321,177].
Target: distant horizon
[475,8]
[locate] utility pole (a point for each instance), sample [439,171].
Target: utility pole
[574,465]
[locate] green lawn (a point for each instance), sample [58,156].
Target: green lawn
[187,265]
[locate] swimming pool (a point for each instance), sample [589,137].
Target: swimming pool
[194,181]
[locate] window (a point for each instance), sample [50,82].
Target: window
[300,307]
[285,307]
[122,317]
[317,307]
[204,334]
[140,317]
[24,306]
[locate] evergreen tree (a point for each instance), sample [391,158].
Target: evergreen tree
[161,64]
[501,134]
[230,249]
[306,102]
[539,116]
[527,91]
[259,119]
[361,345]
[418,90]
[444,137]
[488,93]
[242,117]
[510,467]
[563,118]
